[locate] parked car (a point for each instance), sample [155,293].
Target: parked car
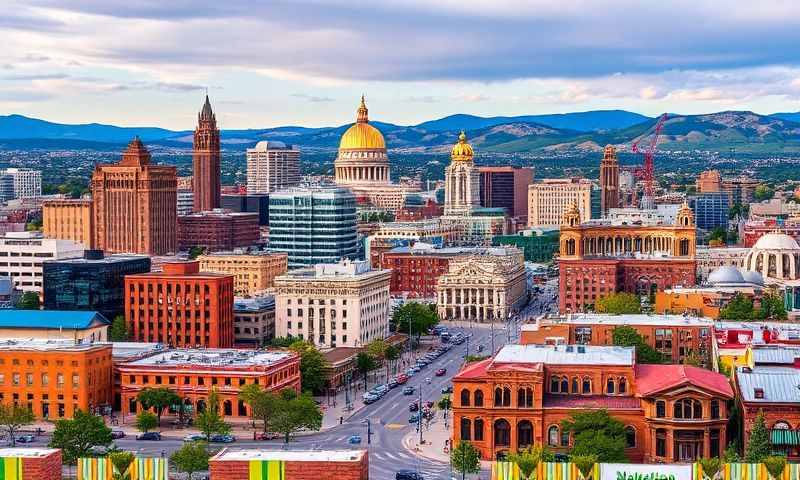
[222,439]
[267,436]
[402,378]
[414,418]
[354,439]
[149,436]
[408,390]
[441,372]
[369,398]
[408,475]
[393,383]
[26,439]
[194,437]
[413,407]
[116,434]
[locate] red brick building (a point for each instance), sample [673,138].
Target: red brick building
[299,464]
[206,161]
[180,306]
[38,463]
[413,212]
[415,270]
[753,230]
[218,230]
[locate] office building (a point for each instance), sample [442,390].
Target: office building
[69,220]
[272,166]
[537,244]
[709,181]
[55,378]
[344,304]
[185,202]
[550,197]
[313,225]
[94,282]
[253,273]
[6,187]
[415,269]
[254,321]
[193,373]
[27,182]
[135,204]
[609,180]
[506,187]
[711,210]
[740,189]
[218,230]
[22,256]
[206,161]
[180,306]
[247,203]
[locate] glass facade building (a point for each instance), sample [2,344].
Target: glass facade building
[93,282]
[313,225]
[711,210]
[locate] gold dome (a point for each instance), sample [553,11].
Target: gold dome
[462,151]
[362,135]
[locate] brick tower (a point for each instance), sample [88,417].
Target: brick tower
[206,161]
[609,180]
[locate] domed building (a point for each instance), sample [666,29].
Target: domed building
[728,276]
[775,256]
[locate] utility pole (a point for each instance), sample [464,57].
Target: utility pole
[369,430]
[419,415]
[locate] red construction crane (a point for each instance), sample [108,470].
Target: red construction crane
[646,172]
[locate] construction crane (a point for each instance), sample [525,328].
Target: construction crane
[646,172]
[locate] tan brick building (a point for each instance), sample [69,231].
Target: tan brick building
[253,273]
[69,219]
[549,198]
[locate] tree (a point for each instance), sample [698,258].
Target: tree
[158,399]
[196,251]
[282,342]
[121,464]
[618,304]
[210,421]
[118,331]
[414,318]
[528,460]
[763,192]
[391,354]
[75,437]
[190,458]
[28,301]
[585,464]
[710,466]
[312,366]
[627,336]
[251,394]
[596,432]
[292,412]
[758,446]
[775,465]
[377,350]
[465,459]
[731,454]
[445,404]
[365,363]
[772,308]
[739,308]
[145,421]
[12,418]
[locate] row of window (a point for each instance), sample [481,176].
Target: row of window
[562,384]
[502,397]
[227,381]
[687,408]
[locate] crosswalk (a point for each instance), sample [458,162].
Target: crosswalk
[386,462]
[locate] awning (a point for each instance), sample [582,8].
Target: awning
[785,437]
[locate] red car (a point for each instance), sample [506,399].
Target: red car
[402,378]
[441,372]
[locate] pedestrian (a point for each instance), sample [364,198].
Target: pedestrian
[341,420]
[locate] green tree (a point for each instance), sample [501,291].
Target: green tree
[313,366]
[758,446]
[158,399]
[710,466]
[618,304]
[121,464]
[377,350]
[585,464]
[718,234]
[596,432]
[282,342]
[292,412]
[627,336]
[465,459]
[731,454]
[196,251]
[12,418]
[210,421]
[391,354]
[28,301]
[763,192]
[145,421]
[528,460]
[414,318]
[75,437]
[251,394]
[34,225]
[739,308]
[190,458]
[772,308]
[365,363]
[775,465]
[118,331]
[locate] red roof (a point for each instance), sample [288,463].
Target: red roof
[473,370]
[652,379]
[591,401]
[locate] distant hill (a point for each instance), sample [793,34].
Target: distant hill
[579,121]
[791,116]
[18,126]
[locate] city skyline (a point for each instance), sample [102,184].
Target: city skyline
[264,65]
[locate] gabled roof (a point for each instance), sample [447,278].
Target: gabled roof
[651,379]
[473,370]
[51,319]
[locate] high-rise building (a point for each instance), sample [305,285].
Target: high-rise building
[609,180]
[206,161]
[344,304]
[180,306]
[248,203]
[185,202]
[709,181]
[550,197]
[69,220]
[462,181]
[506,187]
[94,282]
[272,166]
[135,204]
[313,225]
[711,210]
[253,273]
[218,230]
[6,187]
[27,182]
[24,254]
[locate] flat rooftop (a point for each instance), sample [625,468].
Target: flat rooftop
[565,355]
[109,259]
[625,319]
[227,455]
[48,345]
[214,357]
[253,304]
[26,452]
[128,350]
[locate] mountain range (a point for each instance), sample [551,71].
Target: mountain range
[581,131]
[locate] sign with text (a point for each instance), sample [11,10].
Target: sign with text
[633,471]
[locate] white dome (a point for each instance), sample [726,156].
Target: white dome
[753,277]
[724,275]
[776,241]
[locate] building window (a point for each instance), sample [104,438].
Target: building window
[587,386]
[466,429]
[623,385]
[610,387]
[465,398]
[564,385]
[553,436]
[575,388]
[687,408]
[478,398]
[715,409]
[525,397]
[554,383]
[661,443]
[630,437]
[478,429]
[661,409]
[583,335]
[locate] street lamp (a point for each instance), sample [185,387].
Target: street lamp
[369,430]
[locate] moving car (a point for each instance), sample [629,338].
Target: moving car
[408,475]
[25,439]
[354,439]
[117,434]
[441,372]
[408,390]
[223,439]
[194,437]
[149,436]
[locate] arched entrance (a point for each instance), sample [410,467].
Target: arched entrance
[502,433]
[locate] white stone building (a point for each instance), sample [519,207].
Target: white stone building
[272,166]
[23,253]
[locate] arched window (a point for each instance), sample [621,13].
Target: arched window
[575,385]
[478,429]
[564,385]
[552,436]
[661,409]
[466,429]
[498,397]
[623,385]
[465,398]
[610,387]
[478,398]
[630,437]
[714,409]
[554,383]
[587,386]
[524,434]
[502,433]
[687,408]
[781,425]
[525,397]
[506,397]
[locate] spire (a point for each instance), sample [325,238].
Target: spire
[206,113]
[362,112]
[462,137]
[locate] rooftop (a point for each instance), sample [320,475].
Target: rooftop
[129,350]
[109,259]
[47,345]
[779,384]
[51,319]
[784,354]
[253,304]
[26,452]
[421,248]
[344,270]
[565,355]
[625,319]
[651,379]
[217,357]
[291,455]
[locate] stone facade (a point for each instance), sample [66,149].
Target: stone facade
[253,273]
[206,161]
[69,220]
[609,180]
[550,198]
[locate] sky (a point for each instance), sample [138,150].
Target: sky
[306,62]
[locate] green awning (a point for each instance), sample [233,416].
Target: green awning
[785,437]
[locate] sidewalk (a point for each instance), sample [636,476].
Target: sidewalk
[435,439]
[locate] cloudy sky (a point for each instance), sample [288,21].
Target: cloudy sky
[305,62]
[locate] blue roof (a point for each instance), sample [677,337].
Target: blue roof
[50,319]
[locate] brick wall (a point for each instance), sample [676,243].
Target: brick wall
[239,470]
[43,468]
